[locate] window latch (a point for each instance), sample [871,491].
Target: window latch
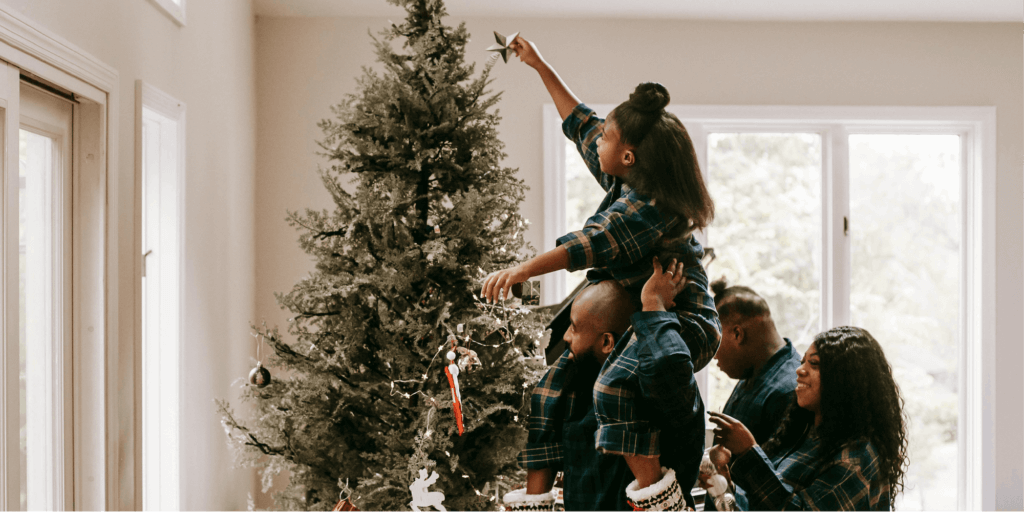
[846,226]
[147,253]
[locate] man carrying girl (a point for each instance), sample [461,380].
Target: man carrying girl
[655,200]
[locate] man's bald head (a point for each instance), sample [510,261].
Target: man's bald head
[599,316]
[608,305]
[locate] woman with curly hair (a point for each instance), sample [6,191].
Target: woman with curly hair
[842,445]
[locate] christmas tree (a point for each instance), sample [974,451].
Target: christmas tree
[360,400]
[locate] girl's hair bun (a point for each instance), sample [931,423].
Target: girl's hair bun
[649,97]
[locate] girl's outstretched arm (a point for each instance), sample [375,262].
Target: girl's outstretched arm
[499,284]
[564,99]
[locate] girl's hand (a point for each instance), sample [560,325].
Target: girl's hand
[527,52]
[498,285]
[661,289]
[732,434]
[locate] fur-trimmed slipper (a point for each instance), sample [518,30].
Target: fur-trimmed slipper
[665,494]
[519,500]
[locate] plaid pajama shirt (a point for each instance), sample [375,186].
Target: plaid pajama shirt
[646,403]
[760,403]
[629,228]
[563,439]
[850,480]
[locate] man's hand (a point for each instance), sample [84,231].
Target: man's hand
[732,434]
[499,284]
[661,289]
[527,52]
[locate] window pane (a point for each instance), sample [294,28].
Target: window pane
[905,236]
[39,385]
[767,230]
[583,196]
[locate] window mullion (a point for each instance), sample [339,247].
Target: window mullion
[836,225]
[553,288]
[699,137]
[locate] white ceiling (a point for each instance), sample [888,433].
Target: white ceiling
[788,10]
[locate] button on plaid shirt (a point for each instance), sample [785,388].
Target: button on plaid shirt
[850,480]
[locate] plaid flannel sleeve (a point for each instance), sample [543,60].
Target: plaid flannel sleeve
[621,429]
[665,368]
[700,326]
[623,234]
[583,127]
[654,371]
[843,484]
[547,411]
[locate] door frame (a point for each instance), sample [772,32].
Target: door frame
[104,455]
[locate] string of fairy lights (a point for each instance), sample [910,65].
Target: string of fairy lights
[504,315]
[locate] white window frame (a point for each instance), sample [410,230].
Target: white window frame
[174,9]
[48,487]
[976,127]
[159,373]
[104,448]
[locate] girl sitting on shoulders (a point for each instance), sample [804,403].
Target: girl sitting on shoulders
[655,199]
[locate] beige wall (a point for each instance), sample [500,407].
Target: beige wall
[209,65]
[304,65]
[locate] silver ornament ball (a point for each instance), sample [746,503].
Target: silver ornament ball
[259,376]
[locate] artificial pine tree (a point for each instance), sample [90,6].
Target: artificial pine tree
[359,393]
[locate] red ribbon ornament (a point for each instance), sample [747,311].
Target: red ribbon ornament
[455,400]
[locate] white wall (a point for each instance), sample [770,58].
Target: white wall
[305,65]
[208,64]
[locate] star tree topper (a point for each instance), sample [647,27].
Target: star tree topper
[502,48]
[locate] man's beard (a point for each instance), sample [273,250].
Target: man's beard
[587,369]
